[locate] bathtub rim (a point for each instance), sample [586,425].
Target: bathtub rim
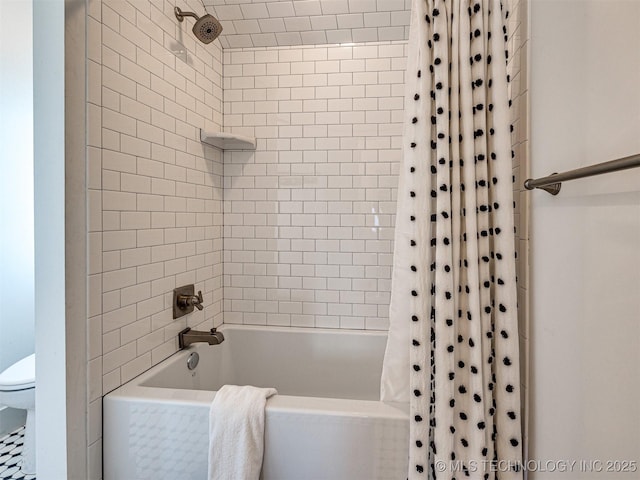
[134,391]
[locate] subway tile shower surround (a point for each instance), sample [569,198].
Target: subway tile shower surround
[298,233]
[260,23]
[308,217]
[155,191]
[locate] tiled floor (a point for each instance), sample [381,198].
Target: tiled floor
[10,450]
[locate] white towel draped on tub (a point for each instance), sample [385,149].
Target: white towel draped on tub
[236,432]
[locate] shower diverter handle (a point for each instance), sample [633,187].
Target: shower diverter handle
[186,301]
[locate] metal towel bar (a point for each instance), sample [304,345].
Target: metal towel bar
[553,182]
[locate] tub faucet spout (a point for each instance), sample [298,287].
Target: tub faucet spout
[187,336]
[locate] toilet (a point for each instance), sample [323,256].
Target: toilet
[18,390]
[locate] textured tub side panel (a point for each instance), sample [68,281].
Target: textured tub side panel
[163,441]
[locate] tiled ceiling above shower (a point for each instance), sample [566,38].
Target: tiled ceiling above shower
[264,23]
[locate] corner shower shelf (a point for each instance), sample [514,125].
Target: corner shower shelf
[228,141]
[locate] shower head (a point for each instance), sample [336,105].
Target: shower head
[206,29]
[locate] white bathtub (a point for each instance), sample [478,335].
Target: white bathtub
[326,422]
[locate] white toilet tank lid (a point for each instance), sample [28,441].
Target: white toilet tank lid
[20,374]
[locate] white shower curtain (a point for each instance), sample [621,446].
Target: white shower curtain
[452,351]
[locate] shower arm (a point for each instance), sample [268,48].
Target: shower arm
[180,14]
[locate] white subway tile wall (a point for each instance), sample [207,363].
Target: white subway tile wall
[270,23]
[155,192]
[297,233]
[308,216]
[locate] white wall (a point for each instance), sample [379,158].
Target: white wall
[16,186]
[49,234]
[154,190]
[75,170]
[585,326]
[16,182]
[308,217]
